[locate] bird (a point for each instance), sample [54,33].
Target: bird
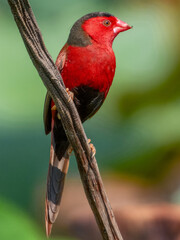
[87,65]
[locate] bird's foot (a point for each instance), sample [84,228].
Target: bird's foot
[71,94]
[70,149]
[58,116]
[55,109]
[93,149]
[71,97]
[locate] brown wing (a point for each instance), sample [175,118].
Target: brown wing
[47,104]
[47,114]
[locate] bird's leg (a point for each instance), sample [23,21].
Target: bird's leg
[71,94]
[58,116]
[55,109]
[71,97]
[93,149]
[69,151]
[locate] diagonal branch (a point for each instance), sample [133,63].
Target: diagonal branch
[51,78]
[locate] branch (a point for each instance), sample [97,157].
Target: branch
[51,78]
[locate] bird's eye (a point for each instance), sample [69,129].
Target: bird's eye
[106,23]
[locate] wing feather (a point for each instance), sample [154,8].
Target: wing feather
[47,104]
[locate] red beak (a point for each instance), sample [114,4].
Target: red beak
[121,27]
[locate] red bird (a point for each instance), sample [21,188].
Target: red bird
[87,65]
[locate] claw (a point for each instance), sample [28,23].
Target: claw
[71,94]
[93,149]
[54,108]
[58,116]
[70,150]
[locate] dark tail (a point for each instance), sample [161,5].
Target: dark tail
[58,167]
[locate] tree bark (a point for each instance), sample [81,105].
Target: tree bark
[52,79]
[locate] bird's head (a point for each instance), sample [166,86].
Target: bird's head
[96,27]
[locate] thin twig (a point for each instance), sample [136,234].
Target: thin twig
[51,78]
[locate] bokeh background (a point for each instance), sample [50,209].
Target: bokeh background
[136,133]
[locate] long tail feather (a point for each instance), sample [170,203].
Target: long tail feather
[55,186]
[58,167]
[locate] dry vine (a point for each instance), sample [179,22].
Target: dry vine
[51,78]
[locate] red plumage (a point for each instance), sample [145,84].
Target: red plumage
[92,66]
[87,65]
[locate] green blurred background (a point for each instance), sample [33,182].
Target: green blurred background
[137,131]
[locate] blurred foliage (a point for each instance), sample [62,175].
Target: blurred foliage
[149,165]
[165,92]
[19,225]
[136,133]
[15,224]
